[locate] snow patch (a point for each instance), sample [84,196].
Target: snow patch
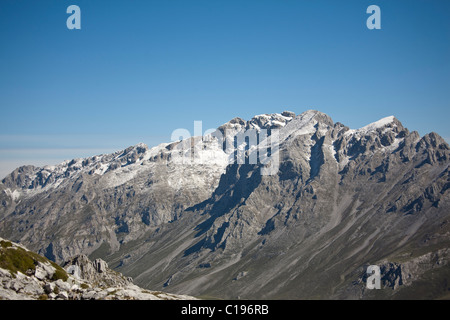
[378,124]
[372,126]
[15,194]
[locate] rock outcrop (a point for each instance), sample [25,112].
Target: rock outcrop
[24,275]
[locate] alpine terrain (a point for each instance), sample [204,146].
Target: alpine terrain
[25,275]
[187,218]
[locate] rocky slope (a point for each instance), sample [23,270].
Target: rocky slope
[25,275]
[340,200]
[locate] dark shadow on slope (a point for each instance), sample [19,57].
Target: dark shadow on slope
[235,186]
[195,248]
[317,158]
[49,254]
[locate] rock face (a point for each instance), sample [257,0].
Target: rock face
[410,278]
[96,271]
[25,275]
[341,199]
[100,202]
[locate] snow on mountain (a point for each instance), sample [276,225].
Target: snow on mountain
[274,120]
[382,123]
[183,214]
[124,165]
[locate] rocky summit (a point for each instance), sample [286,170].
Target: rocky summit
[25,275]
[338,201]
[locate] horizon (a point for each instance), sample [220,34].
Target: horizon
[136,73]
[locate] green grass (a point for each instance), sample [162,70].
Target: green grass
[17,259]
[60,274]
[5,244]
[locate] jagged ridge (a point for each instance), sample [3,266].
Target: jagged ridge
[340,198]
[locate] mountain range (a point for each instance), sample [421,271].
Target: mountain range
[338,201]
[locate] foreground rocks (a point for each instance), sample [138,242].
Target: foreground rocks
[25,275]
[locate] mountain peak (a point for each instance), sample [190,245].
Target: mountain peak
[270,121]
[378,124]
[383,125]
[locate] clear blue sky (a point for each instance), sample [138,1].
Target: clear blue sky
[139,69]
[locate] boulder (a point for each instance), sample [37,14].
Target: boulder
[40,273]
[49,269]
[88,295]
[100,265]
[16,285]
[49,287]
[62,285]
[52,296]
[32,288]
[63,295]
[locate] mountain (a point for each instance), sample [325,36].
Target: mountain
[25,275]
[300,213]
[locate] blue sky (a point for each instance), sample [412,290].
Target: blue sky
[137,70]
